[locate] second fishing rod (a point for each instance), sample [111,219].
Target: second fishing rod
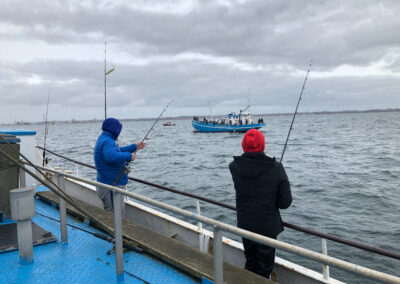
[295,112]
[126,169]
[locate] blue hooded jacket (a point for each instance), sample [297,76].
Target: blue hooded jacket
[109,158]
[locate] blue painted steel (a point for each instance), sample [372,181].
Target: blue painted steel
[41,188]
[18,132]
[206,281]
[11,140]
[82,260]
[205,127]
[6,221]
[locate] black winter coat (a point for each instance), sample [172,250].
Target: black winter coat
[262,188]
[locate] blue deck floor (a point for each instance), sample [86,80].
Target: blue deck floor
[82,260]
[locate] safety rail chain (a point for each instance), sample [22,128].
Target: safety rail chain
[218,228]
[288,225]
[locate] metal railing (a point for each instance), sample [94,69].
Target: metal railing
[218,228]
[323,236]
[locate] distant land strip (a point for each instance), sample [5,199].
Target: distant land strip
[200,116]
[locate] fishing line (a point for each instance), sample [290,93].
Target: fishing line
[295,112]
[126,169]
[97,235]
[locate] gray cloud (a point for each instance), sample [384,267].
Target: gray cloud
[206,50]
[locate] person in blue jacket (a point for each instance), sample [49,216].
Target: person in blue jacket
[110,159]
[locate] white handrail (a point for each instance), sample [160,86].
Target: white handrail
[324,259]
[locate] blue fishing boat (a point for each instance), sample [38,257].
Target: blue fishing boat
[233,122]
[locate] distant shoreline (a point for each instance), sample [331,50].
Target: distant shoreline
[190,117]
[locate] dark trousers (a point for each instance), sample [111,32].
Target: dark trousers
[260,258]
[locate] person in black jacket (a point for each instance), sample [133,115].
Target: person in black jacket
[262,188]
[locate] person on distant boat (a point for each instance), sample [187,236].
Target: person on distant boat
[110,159]
[262,188]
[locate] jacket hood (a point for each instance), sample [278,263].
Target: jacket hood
[252,165]
[113,126]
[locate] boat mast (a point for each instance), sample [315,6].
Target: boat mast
[248,101]
[210,105]
[105,80]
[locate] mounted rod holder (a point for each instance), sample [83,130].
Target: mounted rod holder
[22,211]
[119,255]
[63,211]
[218,256]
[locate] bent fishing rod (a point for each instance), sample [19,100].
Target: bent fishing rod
[295,112]
[126,169]
[46,130]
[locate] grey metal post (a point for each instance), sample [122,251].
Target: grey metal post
[22,210]
[63,212]
[22,180]
[199,224]
[218,256]
[24,229]
[325,252]
[119,256]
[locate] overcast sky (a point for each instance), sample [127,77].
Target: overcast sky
[196,52]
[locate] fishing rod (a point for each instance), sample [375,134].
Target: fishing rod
[231,207]
[126,169]
[295,112]
[46,130]
[97,235]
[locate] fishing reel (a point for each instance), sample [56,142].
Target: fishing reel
[127,169]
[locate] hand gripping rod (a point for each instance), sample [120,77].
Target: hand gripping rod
[126,168]
[295,112]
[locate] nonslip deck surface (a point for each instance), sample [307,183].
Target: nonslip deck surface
[83,260]
[172,251]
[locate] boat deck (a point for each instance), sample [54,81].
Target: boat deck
[83,260]
[181,256]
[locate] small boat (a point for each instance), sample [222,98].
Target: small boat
[168,123]
[241,122]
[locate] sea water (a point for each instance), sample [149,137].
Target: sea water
[344,171]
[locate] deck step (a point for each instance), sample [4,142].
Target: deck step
[182,256]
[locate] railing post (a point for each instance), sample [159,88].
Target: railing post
[218,256]
[63,211]
[22,210]
[119,256]
[199,224]
[77,170]
[325,252]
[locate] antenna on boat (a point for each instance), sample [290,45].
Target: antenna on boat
[46,129]
[248,100]
[105,79]
[295,112]
[126,168]
[210,105]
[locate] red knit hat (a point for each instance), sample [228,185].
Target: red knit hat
[253,141]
